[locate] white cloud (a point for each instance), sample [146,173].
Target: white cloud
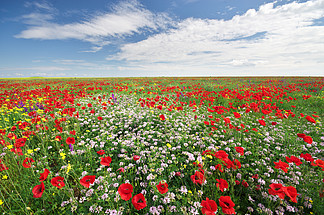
[94,49]
[189,1]
[44,5]
[36,18]
[35,68]
[126,18]
[206,45]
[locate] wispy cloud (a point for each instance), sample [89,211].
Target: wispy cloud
[37,18]
[35,68]
[270,38]
[42,5]
[93,49]
[126,18]
[189,1]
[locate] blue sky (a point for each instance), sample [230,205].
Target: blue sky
[131,38]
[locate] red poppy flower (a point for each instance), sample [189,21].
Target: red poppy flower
[105,161]
[274,123]
[222,184]
[72,132]
[310,119]
[221,154]
[58,138]
[17,151]
[99,118]
[320,163]
[237,115]
[209,207]
[136,157]
[44,175]
[239,150]
[281,165]
[58,182]
[262,122]
[20,142]
[219,167]
[308,139]
[38,190]
[227,121]
[70,140]
[276,189]
[27,162]
[244,183]
[198,177]
[293,159]
[227,205]
[162,117]
[121,169]
[101,152]
[237,182]
[228,163]
[237,164]
[307,157]
[87,180]
[162,187]
[178,174]
[291,192]
[301,135]
[256,176]
[125,191]
[12,136]
[13,128]
[138,201]
[3,167]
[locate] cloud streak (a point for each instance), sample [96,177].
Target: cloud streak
[126,18]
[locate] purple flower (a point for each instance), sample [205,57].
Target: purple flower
[71,147]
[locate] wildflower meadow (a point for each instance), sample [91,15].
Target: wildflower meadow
[162,146]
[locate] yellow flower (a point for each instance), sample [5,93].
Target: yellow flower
[10,146]
[29,151]
[68,168]
[62,155]
[1,202]
[4,177]
[209,156]
[189,191]
[168,145]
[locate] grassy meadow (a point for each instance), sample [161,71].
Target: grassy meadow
[162,146]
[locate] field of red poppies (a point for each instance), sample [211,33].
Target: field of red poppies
[162,146]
